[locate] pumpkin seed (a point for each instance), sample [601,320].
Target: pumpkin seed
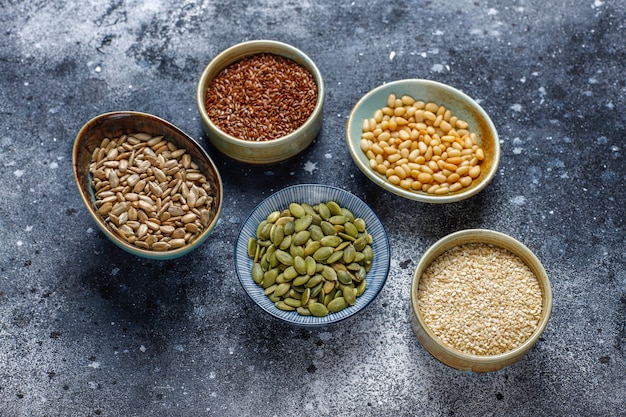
[323,253]
[281,305]
[283,257]
[257,273]
[327,228]
[335,257]
[296,210]
[323,211]
[337,304]
[349,294]
[338,219]
[332,241]
[252,247]
[303,311]
[301,237]
[310,265]
[306,295]
[273,216]
[300,280]
[300,265]
[334,208]
[318,309]
[282,289]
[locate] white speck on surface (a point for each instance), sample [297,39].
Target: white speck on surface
[438,32]
[392,55]
[516,107]
[423,55]
[94,365]
[231,351]
[98,69]
[89,230]
[517,151]
[18,172]
[437,68]
[212,375]
[593,81]
[142,348]
[54,165]
[19,243]
[310,167]
[115,271]
[179,348]
[492,12]
[522,80]
[25,83]
[326,336]
[598,3]
[29,228]
[93,385]
[519,200]
[328,156]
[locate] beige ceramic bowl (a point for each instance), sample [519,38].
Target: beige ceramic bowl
[263,152]
[453,357]
[115,124]
[460,105]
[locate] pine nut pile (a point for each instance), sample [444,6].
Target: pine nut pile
[421,146]
[480,299]
[261,97]
[150,192]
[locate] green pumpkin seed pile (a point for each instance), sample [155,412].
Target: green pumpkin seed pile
[311,259]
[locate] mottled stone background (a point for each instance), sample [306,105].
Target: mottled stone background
[88,330]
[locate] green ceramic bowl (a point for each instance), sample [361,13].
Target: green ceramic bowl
[115,124]
[461,106]
[263,152]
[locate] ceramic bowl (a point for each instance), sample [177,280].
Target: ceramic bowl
[113,125]
[453,357]
[269,151]
[461,106]
[313,194]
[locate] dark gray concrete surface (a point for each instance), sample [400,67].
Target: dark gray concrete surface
[88,330]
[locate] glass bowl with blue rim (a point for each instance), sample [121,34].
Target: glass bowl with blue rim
[313,194]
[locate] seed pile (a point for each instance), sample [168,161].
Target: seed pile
[149,192]
[261,97]
[421,146]
[311,259]
[480,299]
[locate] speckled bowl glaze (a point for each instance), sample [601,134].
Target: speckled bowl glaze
[455,358]
[265,152]
[313,194]
[115,124]
[461,105]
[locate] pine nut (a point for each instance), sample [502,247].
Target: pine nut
[419,145]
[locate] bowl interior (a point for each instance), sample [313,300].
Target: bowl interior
[115,124]
[461,105]
[313,194]
[458,359]
[261,152]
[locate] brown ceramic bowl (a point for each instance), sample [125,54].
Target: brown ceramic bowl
[115,124]
[268,151]
[453,357]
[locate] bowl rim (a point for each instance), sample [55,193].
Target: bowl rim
[254,47]
[497,239]
[88,199]
[380,180]
[382,254]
